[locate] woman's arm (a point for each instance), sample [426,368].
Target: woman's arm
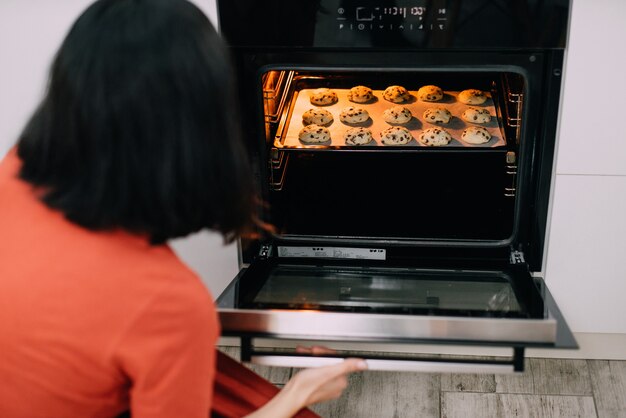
[309,387]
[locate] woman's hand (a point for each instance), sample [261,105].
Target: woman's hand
[310,386]
[320,384]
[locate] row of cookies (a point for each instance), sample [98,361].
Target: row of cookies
[395,94]
[394,135]
[396,115]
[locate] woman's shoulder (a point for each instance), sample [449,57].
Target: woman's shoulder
[157,270]
[50,249]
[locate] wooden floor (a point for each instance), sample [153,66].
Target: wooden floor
[548,388]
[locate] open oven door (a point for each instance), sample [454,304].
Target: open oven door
[351,295]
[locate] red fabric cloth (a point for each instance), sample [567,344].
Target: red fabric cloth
[239,391]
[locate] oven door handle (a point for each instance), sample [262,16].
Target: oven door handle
[422,366]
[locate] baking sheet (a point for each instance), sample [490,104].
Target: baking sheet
[376,123]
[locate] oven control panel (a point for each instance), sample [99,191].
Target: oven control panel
[411,17]
[398,23]
[422,24]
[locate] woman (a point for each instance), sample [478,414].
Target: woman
[136,142]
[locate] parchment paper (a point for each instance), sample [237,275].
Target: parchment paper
[376,123]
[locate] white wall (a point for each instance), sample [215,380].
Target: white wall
[586,267]
[30,33]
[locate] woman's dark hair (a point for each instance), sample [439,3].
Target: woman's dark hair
[139,127]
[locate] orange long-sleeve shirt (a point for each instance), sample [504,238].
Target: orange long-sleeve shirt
[95,323]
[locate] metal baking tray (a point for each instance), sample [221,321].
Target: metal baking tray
[291,124]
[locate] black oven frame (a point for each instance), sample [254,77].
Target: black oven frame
[283,35]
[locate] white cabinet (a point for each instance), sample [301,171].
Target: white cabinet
[586,268]
[593,117]
[586,252]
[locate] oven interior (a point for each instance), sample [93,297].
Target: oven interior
[411,193]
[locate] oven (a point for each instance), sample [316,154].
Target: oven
[398,243]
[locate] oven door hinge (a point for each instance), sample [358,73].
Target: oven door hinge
[517,257]
[265,251]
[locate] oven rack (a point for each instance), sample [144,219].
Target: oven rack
[278,169]
[275,87]
[514,105]
[502,118]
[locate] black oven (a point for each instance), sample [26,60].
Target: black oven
[406,243]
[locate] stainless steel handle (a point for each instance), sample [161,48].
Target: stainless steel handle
[387,365]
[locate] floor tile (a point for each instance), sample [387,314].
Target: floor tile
[549,388]
[516,382]
[230,351]
[467,405]
[276,375]
[502,405]
[608,379]
[468,382]
[560,377]
[385,395]
[553,406]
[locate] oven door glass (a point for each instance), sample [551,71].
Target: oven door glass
[357,302]
[346,289]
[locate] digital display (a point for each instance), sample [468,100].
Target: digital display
[367,13]
[412,17]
